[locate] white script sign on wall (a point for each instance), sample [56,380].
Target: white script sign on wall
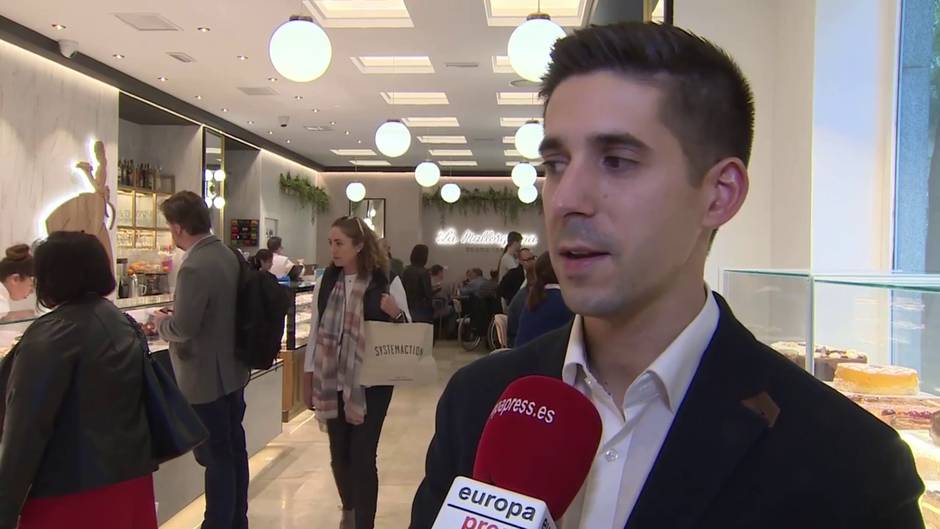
[450,237]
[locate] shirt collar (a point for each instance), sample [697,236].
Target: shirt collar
[194,246]
[674,367]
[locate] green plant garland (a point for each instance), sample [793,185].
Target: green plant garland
[504,201]
[308,193]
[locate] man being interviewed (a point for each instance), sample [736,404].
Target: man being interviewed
[648,131]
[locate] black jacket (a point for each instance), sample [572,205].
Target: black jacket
[820,462]
[75,416]
[372,299]
[417,283]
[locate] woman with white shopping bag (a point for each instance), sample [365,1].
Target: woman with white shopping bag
[353,290]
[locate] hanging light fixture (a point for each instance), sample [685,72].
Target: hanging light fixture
[218,202]
[300,50]
[450,193]
[528,139]
[355,192]
[209,176]
[524,175]
[530,45]
[219,175]
[528,194]
[393,138]
[428,174]
[208,201]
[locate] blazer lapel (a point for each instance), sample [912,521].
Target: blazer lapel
[725,411]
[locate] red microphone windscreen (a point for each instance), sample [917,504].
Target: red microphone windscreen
[540,441]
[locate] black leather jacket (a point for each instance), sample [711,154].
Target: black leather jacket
[75,416]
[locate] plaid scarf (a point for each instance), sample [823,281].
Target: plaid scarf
[337,360]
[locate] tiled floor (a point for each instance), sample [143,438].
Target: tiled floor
[292,486]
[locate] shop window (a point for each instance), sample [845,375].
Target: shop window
[917,190]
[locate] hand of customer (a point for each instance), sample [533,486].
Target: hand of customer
[389,306]
[159,316]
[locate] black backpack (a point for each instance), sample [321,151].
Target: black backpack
[259,315]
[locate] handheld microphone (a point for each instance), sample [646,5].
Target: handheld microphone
[535,453]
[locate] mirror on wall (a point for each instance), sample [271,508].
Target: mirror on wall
[213,181]
[372,212]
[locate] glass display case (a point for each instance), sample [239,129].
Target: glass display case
[299,316]
[13,326]
[875,338]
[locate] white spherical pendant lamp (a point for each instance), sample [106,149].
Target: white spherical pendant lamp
[524,175]
[450,193]
[355,192]
[528,194]
[530,46]
[300,50]
[528,139]
[427,174]
[218,202]
[219,175]
[393,138]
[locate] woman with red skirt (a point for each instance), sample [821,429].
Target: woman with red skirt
[75,448]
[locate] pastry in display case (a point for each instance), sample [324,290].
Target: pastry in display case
[299,316]
[876,339]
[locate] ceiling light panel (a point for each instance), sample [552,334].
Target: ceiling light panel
[502,13]
[353,152]
[509,140]
[431,122]
[501,64]
[451,152]
[457,163]
[437,140]
[415,98]
[373,163]
[518,98]
[371,64]
[147,22]
[516,122]
[511,152]
[536,163]
[360,14]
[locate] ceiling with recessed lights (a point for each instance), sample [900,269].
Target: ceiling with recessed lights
[440,66]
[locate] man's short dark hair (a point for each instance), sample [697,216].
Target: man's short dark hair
[69,266]
[275,243]
[419,255]
[707,103]
[436,269]
[189,211]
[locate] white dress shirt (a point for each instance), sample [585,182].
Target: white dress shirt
[281,265]
[632,435]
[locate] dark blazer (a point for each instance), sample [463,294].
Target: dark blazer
[75,417]
[757,443]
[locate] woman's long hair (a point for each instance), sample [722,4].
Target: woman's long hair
[544,275]
[371,258]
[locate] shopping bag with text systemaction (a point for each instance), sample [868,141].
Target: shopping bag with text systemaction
[398,353]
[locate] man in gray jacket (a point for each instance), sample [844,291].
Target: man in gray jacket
[201,333]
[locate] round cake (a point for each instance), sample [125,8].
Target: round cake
[876,380]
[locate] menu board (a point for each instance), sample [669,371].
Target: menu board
[244,232]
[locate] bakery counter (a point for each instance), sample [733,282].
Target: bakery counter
[871,337]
